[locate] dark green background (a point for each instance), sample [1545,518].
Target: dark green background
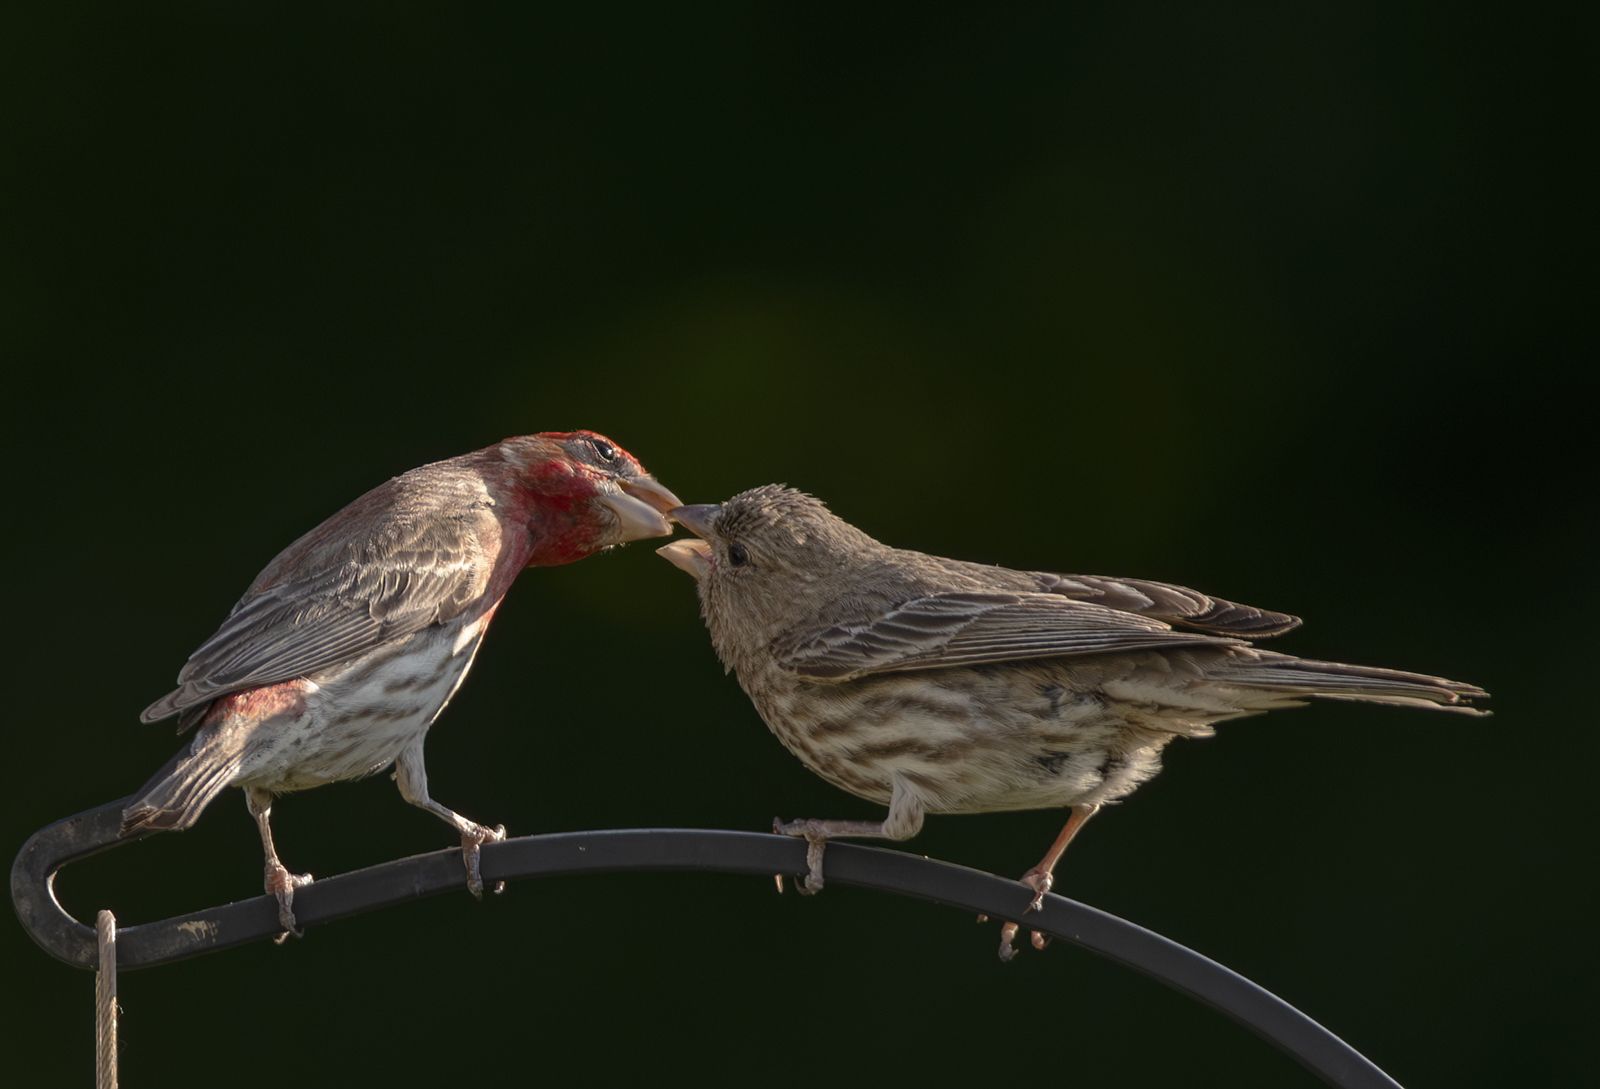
[1288,303]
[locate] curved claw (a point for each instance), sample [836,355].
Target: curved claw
[1039,881]
[281,883]
[472,839]
[816,838]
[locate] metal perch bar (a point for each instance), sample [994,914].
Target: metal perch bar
[632,850]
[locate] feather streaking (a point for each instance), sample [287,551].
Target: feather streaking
[933,685]
[350,643]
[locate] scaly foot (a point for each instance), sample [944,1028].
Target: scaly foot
[474,836]
[1039,880]
[281,883]
[816,837]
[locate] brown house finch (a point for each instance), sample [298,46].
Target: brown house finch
[939,686]
[345,649]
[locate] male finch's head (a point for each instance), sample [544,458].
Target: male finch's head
[599,488]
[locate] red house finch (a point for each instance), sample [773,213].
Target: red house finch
[938,686]
[345,649]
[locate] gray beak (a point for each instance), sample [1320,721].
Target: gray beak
[696,519]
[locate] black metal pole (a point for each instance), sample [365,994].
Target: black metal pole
[679,849]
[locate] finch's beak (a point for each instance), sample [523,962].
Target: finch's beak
[646,488]
[640,506]
[686,555]
[696,519]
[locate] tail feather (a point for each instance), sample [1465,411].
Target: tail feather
[176,795]
[1365,684]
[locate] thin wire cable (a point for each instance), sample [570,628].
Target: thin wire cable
[105,1003]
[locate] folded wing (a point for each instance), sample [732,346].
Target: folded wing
[973,628]
[328,598]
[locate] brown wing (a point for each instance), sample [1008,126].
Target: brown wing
[1174,604]
[390,564]
[972,628]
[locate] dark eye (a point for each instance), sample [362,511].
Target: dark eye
[738,555]
[604,450]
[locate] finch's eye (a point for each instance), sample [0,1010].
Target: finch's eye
[604,450]
[738,555]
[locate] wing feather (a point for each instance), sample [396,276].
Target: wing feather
[1174,604]
[974,628]
[386,567]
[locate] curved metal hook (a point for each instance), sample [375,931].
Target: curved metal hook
[753,853]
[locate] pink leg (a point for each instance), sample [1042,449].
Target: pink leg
[279,881]
[903,821]
[412,777]
[1040,878]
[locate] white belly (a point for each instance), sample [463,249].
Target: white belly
[358,717]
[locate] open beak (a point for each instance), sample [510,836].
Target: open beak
[641,505]
[696,519]
[688,555]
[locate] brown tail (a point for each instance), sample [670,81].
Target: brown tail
[1366,684]
[176,795]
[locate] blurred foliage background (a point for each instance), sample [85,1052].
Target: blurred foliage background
[1287,303]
